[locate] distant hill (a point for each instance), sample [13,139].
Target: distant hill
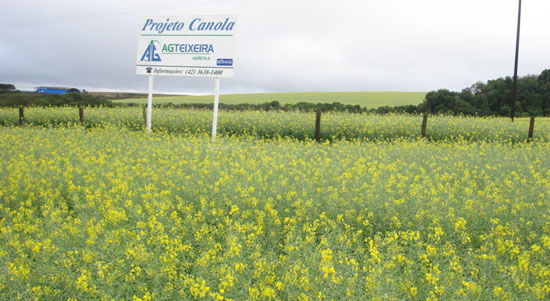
[364,99]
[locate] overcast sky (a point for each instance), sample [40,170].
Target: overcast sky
[281,45]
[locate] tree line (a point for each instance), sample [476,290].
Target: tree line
[13,98]
[481,99]
[7,88]
[494,97]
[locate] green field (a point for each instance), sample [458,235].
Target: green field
[109,213]
[364,99]
[104,211]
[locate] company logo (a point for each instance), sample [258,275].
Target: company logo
[224,62]
[187,48]
[150,54]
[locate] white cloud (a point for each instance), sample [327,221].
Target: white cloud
[284,45]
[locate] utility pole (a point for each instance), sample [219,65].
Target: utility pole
[515,81]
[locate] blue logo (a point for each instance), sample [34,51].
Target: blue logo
[224,62]
[150,54]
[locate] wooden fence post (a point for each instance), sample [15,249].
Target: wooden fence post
[318,126]
[424,123]
[531,127]
[81,115]
[21,115]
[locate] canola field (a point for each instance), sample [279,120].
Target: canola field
[111,213]
[298,125]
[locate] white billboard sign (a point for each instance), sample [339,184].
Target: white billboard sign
[199,46]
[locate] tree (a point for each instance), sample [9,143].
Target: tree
[529,96]
[493,97]
[7,88]
[440,101]
[544,91]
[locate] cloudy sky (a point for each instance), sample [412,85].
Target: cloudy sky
[281,45]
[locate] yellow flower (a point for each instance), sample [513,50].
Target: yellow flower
[497,291]
[253,292]
[268,292]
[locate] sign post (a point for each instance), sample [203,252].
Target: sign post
[149,104]
[193,46]
[215,110]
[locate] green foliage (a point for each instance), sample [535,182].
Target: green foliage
[493,98]
[544,90]
[289,107]
[7,88]
[69,99]
[481,99]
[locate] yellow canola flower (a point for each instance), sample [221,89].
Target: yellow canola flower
[106,213]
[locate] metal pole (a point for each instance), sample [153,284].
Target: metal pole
[515,81]
[149,104]
[215,113]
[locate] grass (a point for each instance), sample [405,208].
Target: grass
[368,99]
